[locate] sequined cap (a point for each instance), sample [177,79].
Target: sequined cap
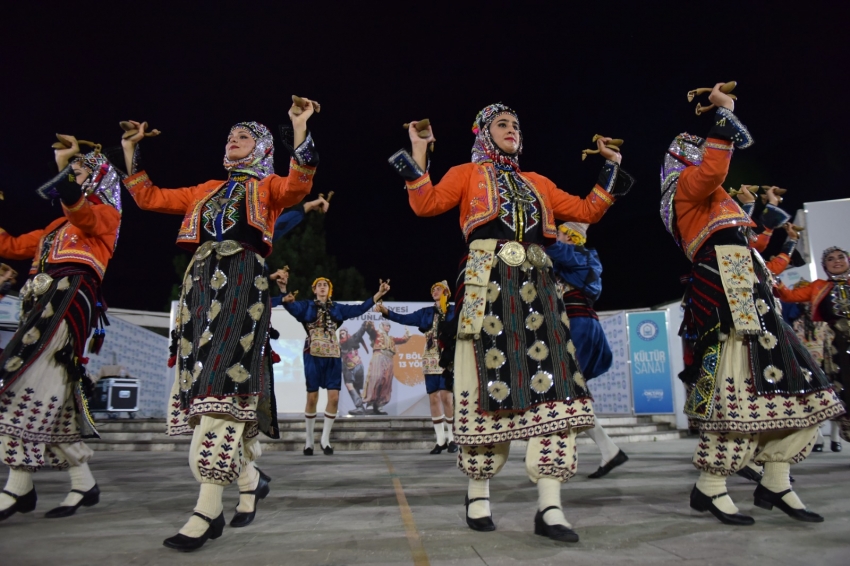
[686,150]
[485,149]
[260,162]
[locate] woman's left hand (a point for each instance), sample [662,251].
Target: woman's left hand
[299,119]
[608,153]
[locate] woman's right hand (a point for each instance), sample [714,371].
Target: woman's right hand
[720,98]
[64,156]
[131,142]
[420,145]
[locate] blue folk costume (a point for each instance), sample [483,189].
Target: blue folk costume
[580,273]
[428,321]
[322,364]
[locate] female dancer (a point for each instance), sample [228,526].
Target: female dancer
[741,359]
[223,392]
[428,321]
[829,301]
[579,273]
[322,364]
[43,411]
[515,371]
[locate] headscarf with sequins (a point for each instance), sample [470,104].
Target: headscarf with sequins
[686,150]
[828,251]
[260,162]
[485,149]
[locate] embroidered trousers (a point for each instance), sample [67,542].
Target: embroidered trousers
[221,448]
[551,456]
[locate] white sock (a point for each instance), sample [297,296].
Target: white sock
[476,489]
[248,480]
[310,423]
[439,429]
[603,441]
[548,495]
[19,483]
[715,484]
[819,439]
[450,435]
[326,428]
[777,478]
[82,480]
[834,432]
[209,505]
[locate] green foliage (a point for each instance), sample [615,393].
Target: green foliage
[304,250]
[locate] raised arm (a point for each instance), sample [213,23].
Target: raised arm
[347,312]
[19,247]
[799,295]
[421,318]
[299,310]
[427,199]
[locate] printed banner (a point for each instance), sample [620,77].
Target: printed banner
[611,391]
[652,386]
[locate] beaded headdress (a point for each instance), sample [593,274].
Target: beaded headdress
[828,251]
[685,150]
[485,149]
[260,162]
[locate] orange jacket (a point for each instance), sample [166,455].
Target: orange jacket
[473,187]
[702,206]
[264,201]
[812,293]
[86,235]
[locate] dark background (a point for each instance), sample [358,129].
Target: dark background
[570,71]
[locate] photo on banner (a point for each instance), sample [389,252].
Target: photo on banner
[652,385]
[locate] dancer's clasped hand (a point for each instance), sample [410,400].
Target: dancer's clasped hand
[382,290]
[719,98]
[607,152]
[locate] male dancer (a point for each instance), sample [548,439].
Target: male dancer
[322,365]
[439,395]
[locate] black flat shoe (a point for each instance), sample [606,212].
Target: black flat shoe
[617,460]
[328,450]
[452,448]
[767,499]
[260,492]
[559,533]
[835,446]
[702,503]
[483,524]
[188,544]
[817,448]
[23,503]
[438,449]
[90,497]
[308,451]
[749,473]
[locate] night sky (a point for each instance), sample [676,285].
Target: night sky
[570,71]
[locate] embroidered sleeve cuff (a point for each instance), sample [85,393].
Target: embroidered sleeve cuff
[614,179]
[418,183]
[301,169]
[81,202]
[406,166]
[747,207]
[789,246]
[603,195]
[306,154]
[137,181]
[774,217]
[727,127]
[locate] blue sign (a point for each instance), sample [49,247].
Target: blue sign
[652,386]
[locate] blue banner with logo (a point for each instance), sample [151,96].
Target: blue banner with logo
[652,385]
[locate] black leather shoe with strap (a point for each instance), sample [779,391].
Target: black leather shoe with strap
[766,499]
[617,460]
[438,448]
[188,544]
[560,533]
[483,524]
[90,497]
[23,503]
[835,446]
[702,503]
[260,492]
